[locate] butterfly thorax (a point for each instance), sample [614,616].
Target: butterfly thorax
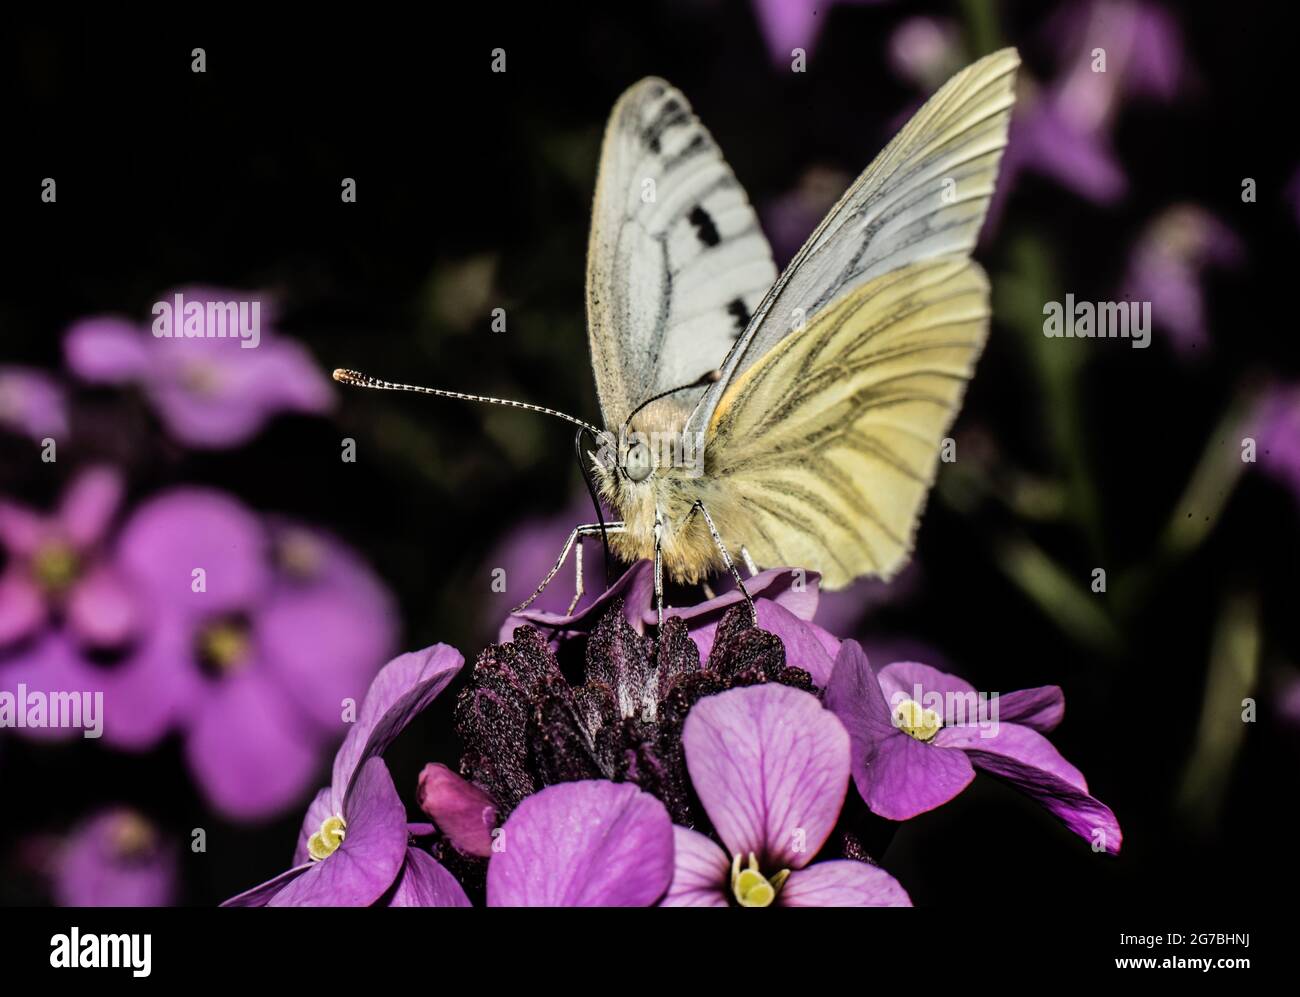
[689,553]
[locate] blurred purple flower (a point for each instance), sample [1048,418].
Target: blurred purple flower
[32,403]
[1062,129]
[255,637]
[353,848]
[909,757]
[115,859]
[925,51]
[56,568]
[591,843]
[1276,427]
[210,392]
[771,768]
[1166,268]
[792,217]
[529,551]
[791,24]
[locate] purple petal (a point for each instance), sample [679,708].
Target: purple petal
[248,747]
[155,689]
[106,351]
[401,690]
[794,588]
[700,872]
[263,893]
[1028,761]
[462,811]
[842,883]
[89,504]
[101,609]
[185,529]
[32,403]
[21,530]
[22,607]
[365,865]
[423,882]
[634,587]
[915,681]
[897,776]
[771,768]
[807,645]
[1040,708]
[583,844]
[326,634]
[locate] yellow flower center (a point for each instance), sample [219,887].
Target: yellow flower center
[916,721]
[750,887]
[224,646]
[131,836]
[326,841]
[300,555]
[55,566]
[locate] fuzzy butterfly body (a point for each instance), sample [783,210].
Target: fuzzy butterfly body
[819,398]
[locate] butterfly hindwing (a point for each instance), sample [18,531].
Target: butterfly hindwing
[676,262]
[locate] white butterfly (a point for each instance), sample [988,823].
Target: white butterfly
[797,419]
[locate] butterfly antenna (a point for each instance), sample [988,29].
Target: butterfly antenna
[354,377]
[595,501]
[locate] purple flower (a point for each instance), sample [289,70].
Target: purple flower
[210,391]
[1277,435]
[926,51]
[1062,130]
[771,767]
[57,569]
[1166,268]
[583,844]
[32,403]
[354,846]
[918,734]
[791,24]
[256,636]
[115,859]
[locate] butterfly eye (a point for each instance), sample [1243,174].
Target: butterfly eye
[637,462]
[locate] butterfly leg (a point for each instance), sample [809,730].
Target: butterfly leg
[750,566]
[726,558]
[585,530]
[659,569]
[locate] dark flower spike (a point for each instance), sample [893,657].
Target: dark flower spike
[526,726]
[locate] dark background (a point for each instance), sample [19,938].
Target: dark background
[231,178]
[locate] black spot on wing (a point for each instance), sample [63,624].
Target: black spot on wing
[670,114]
[738,310]
[705,230]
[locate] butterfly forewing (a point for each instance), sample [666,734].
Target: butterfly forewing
[676,263]
[923,197]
